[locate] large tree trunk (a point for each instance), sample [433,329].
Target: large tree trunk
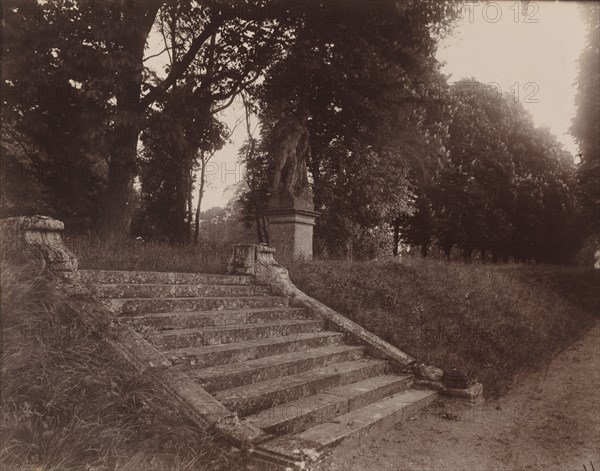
[181,196]
[203,163]
[118,202]
[315,170]
[116,221]
[189,210]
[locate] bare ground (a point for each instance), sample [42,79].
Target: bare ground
[550,420]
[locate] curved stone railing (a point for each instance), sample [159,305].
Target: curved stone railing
[259,260]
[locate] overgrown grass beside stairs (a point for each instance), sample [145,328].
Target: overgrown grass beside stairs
[68,403]
[140,255]
[491,320]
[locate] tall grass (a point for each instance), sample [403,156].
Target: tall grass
[68,403]
[492,321]
[149,256]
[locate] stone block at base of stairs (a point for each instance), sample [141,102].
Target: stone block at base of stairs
[302,414]
[372,419]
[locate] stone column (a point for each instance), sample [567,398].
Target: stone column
[37,239]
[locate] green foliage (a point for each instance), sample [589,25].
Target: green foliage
[504,187]
[21,193]
[224,227]
[94,55]
[491,320]
[253,192]
[388,138]
[586,124]
[365,80]
[177,138]
[59,127]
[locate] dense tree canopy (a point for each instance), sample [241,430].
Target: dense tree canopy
[96,52]
[366,82]
[505,187]
[93,132]
[586,125]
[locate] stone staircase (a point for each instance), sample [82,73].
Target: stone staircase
[277,367]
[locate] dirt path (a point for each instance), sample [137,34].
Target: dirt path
[549,421]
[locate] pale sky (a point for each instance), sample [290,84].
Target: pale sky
[531,56]
[534,56]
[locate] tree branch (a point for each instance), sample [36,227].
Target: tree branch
[226,105]
[180,66]
[166,49]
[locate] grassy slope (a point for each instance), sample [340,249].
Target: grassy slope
[68,403]
[489,320]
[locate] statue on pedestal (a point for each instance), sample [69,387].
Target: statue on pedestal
[291,214]
[291,150]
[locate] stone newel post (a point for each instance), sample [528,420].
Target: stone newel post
[38,239]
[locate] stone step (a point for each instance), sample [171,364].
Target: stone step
[213,355]
[220,334]
[153,277]
[249,399]
[147,305]
[224,376]
[115,290]
[299,415]
[371,419]
[189,319]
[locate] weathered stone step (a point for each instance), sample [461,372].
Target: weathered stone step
[299,415]
[213,355]
[189,319]
[153,277]
[146,305]
[214,335]
[371,419]
[252,398]
[136,290]
[252,371]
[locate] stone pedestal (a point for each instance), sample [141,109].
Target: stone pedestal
[291,232]
[37,239]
